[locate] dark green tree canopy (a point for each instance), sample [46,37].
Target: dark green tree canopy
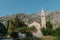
[49,25]
[19,22]
[3,29]
[48,30]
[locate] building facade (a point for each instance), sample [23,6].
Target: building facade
[43,18]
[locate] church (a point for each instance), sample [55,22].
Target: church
[38,26]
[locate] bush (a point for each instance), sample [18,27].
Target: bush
[56,32]
[3,30]
[49,25]
[29,34]
[48,30]
[14,34]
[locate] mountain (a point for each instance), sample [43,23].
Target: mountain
[22,16]
[53,17]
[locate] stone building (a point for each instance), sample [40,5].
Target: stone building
[38,26]
[43,18]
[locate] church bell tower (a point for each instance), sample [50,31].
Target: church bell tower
[43,19]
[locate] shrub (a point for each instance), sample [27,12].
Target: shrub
[57,32]
[14,34]
[48,30]
[3,30]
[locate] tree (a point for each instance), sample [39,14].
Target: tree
[11,26]
[30,30]
[14,34]
[56,32]
[49,25]
[3,30]
[48,30]
[33,29]
[19,22]
[27,30]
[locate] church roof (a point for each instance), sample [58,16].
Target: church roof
[37,25]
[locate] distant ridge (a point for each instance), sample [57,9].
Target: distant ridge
[53,16]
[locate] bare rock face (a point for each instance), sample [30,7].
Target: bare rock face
[54,18]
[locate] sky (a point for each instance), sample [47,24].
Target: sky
[9,7]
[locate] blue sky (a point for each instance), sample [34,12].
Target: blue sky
[9,7]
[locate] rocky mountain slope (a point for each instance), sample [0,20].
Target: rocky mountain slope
[54,17]
[22,16]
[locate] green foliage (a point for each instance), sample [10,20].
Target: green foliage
[11,25]
[30,30]
[3,30]
[49,25]
[15,24]
[48,30]
[23,29]
[33,29]
[57,32]
[29,34]
[14,34]
[19,23]
[20,26]
[44,31]
[27,30]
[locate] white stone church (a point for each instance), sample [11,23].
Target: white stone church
[38,26]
